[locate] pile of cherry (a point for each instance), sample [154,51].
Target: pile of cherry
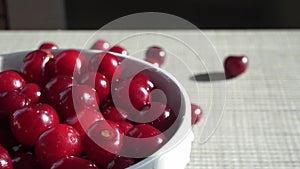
[57,110]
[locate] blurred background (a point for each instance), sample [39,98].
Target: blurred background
[206,14]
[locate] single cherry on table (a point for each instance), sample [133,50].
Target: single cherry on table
[156,55]
[101,44]
[48,46]
[235,65]
[197,113]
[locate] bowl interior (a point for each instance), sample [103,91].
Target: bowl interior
[174,93]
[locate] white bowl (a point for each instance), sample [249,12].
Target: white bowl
[175,153]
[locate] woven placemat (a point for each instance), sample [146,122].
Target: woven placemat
[260,126]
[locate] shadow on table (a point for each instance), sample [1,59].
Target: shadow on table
[208,77]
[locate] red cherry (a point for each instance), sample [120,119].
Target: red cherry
[100,45]
[11,80]
[131,97]
[140,148]
[144,79]
[10,102]
[107,64]
[119,49]
[29,123]
[113,114]
[121,163]
[55,86]
[5,160]
[103,142]
[235,65]
[84,119]
[74,163]
[50,68]
[57,142]
[196,113]
[165,116]
[156,55]
[99,82]
[33,67]
[125,126]
[70,63]
[77,98]
[48,46]
[33,92]
[152,61]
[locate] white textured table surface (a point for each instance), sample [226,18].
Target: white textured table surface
[261,123]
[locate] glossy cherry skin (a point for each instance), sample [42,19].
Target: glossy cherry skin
[114,114]
[11,80]
[151,140]
[33,92]
[156,55]
[5,160]
[144,79]
[165,116]
[197,113]
[235,65]
[73,162]
[103,142]
[84,119]
[121,163]
[125,126]
[29,123]
[70,63]
[101,44]
[33,67]
[99,82]
[131,96]
[55,86]
[107,64]
[12,101]
[48,46]
[77,98]
[50,68]
[119,49]
[57,142]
